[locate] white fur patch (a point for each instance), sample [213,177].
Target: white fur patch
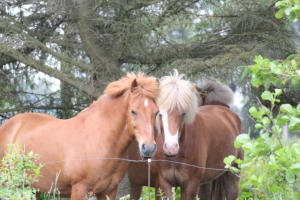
[169,138]
[146,102]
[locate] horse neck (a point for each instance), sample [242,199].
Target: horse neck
[187,142]
[113,112]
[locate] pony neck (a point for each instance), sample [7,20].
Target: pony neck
[113,114]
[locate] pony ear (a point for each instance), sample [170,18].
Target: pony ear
[134,84]
[198,88]
[157,80]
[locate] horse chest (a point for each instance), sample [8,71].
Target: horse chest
[110,180]
[174,175]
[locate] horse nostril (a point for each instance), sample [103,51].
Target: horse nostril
[143,147]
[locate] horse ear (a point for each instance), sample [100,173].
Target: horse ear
[157,80]
[198,88]
[134,84]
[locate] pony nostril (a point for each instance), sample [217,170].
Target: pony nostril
[143,147]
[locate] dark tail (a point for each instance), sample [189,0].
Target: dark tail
[213,92]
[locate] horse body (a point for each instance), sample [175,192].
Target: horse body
[83,149]
[200,137]
[204,143]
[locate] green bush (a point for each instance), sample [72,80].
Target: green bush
[17,173]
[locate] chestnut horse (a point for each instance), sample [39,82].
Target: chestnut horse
[200,137]
[85,149]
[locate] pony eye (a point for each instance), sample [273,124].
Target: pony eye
[182,114]
[133,112]
[156,114]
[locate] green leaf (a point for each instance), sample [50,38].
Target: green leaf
[247,146]
[258,125]
[253,112]
[267,95]
[286,108]
[293,15]
[290,177]
[241,139]
[229,159]
[282,119]
[295,168]
[266,121]
[294,122]
[279,14]
[255,81]
[278,92]
[281,4]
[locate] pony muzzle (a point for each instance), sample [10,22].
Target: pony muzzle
[171,150]
[147,151]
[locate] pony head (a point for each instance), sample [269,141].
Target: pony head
[141,93]
[178,103]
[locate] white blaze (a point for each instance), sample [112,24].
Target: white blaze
[150,129]
[146,102]
[169,138]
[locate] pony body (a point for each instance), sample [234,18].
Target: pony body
[204,142]
[85,148]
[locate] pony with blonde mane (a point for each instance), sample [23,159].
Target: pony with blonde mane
[193,132]
[99,135]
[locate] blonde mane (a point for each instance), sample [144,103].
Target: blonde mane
[178,93]
[145,85]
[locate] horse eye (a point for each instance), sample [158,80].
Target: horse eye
[133,112]
[182,114]
[157,113]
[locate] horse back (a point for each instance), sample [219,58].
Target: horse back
[220,116]
[20,124]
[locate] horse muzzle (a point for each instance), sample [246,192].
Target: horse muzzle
[171,150]
[147,151]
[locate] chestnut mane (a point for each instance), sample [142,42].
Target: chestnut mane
[137,84]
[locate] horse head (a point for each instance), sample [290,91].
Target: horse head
[178,103]
[141,93]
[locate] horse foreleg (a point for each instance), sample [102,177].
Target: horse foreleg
[205,191]
[135,191]
[190,190]
[111,196]
[165,187]
[79,192]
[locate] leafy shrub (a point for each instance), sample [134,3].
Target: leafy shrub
[17,173]
[271,168]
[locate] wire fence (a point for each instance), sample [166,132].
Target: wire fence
[148,161]
[134,161]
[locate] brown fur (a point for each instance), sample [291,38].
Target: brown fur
[80,148]
[204,143]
